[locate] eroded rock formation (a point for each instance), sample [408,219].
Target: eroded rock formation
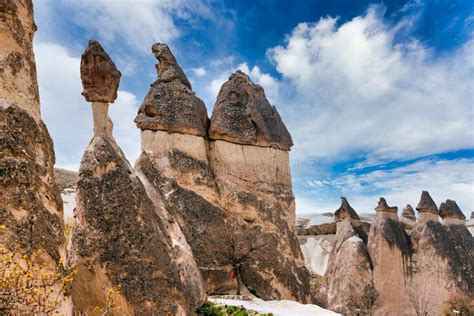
[408,274]
[31,210]
[170,104]
[121,235]
[222,192]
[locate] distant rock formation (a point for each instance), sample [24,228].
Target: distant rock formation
[409,213]
[412,272]
[450,212]
[223,194]
[120,236]
[170,104]
[427,209]
[31,210]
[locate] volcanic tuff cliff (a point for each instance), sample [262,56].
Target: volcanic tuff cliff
[226,190]
[120,235]
[31,210]
[402,273]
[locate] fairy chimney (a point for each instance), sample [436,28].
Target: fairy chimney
[345,212]
[451,214]
[427,209]
[383,210]
[100,80]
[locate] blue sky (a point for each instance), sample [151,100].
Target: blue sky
[378,95]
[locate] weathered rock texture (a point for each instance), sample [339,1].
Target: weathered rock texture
[423,270]
[243,115]
[383,210]
[221,193]
[30,204]
[450,212]
[409,213]
[348,260]
[170,104]
[100,78]
[122,236]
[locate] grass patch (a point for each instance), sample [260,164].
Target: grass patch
[212,309]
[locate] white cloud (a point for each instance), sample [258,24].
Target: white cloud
[356,90]
[453,179]
[200,71]
[66,113]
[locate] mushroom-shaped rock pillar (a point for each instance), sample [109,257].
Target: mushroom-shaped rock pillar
[100,80]
[427,209]
[409,213]
[451,214]
[384,211]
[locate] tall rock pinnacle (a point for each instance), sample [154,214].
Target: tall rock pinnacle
[243,115]
[170,104]
[384,210]
[409,213]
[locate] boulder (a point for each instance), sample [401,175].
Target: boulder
[450,212]
[100,78]
[243,115]
[170,104]
[427,209]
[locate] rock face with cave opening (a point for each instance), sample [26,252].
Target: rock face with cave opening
[121,235]
[220,188]
[31,209]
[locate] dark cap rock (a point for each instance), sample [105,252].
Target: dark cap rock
[170,104]
[100,78]
[383,207]
[450,209]
[345,211]
[427,204]
[243,115]
[409,213]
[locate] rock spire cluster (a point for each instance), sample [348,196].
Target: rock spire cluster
[390,270]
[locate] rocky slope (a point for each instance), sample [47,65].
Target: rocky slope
[209,184]
[31,210]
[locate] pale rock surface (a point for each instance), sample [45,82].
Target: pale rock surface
[316,250]
[390,251]
[349,272]
[170,104]
[31,209]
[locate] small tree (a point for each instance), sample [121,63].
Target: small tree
[27,286]
[366,301]
[243,243]
[419,297]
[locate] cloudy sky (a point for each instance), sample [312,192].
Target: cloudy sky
[378,96]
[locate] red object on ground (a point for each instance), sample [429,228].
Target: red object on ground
[232,275]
